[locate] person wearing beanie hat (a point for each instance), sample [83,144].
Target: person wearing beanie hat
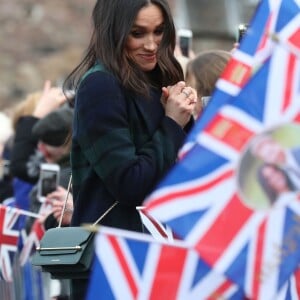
[55,127]
[52,132]
[30,150]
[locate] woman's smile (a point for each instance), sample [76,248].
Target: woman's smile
[145,36]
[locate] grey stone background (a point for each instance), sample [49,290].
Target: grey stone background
[39,40]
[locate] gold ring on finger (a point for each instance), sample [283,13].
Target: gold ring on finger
[184,92]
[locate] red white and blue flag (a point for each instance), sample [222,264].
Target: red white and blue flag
[291,290]
[202,199]
[28,243]
[273,20]
[159,231]
[134,266]
[31,241]
[8,240]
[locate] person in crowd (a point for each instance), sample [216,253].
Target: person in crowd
[51,133]
[25,158]
[276,184]
[132,112]
[202,73]
[42,123]
[6,131]
[266,148]
[24,108]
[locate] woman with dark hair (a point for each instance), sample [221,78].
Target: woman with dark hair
[274,181]
[132,110]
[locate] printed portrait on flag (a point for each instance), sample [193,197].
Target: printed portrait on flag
[270,163]
[204,198]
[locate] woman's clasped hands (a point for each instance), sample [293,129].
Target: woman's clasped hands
[179,101]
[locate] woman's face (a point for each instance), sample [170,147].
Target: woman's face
[53,154]
[275,178]
[145,36]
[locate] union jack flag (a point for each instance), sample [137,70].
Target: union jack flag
[31,241]
[8,240]
[133,266]
[159,231]
[205,198]
[273,20]
[28,243]
[291,290]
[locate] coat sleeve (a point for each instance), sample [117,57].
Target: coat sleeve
[24,148]
[102,130]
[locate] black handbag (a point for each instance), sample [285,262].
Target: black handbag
[67,252]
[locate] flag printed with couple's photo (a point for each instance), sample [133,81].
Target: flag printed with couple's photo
[212,198]
[132,265]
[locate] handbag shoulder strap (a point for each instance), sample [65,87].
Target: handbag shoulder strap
[65,203]
[105,213]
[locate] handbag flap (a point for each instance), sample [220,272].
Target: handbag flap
[64,240]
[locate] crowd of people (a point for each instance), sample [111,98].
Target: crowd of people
[39,126]
[135,102]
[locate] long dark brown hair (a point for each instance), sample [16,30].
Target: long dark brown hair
[112,23]
[266,187]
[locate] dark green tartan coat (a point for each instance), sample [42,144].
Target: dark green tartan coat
[122,145]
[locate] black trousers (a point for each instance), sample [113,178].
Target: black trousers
[79,288]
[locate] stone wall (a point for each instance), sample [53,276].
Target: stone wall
[39,40]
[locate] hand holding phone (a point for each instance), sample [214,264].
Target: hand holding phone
[204,101]
[48,180]
[185,37]
[242,29]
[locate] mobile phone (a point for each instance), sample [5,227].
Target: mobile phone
[185,37]
[48,180]
[70,94]
[242,29]
[204,101]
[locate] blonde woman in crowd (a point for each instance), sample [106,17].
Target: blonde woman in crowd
[202,73]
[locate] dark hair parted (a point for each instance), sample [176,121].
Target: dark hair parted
[113,21]
[266,187]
